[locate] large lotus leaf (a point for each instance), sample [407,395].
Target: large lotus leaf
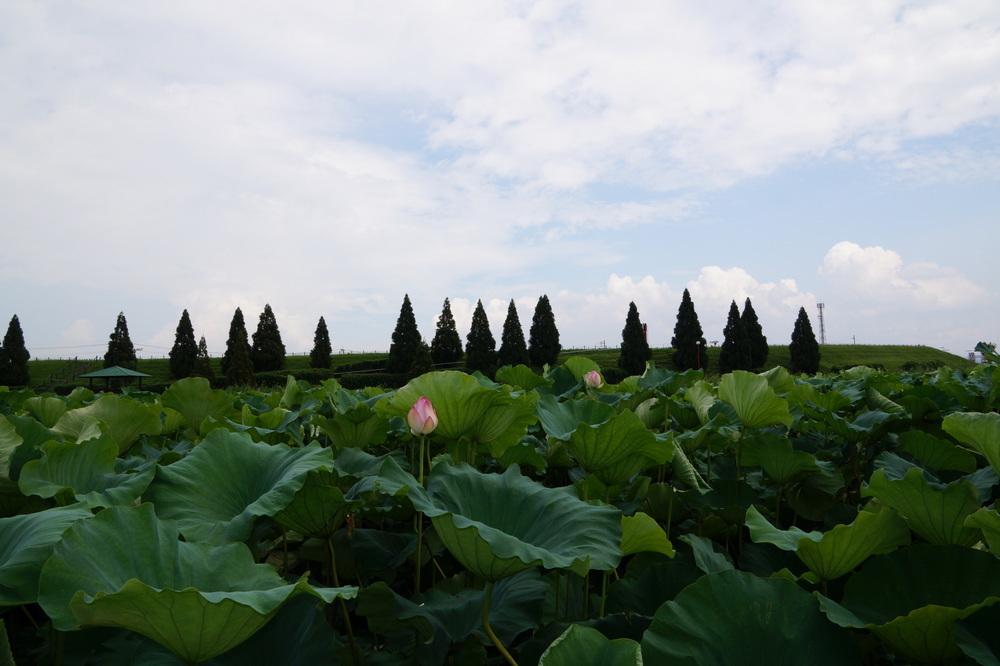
[467,410]
[641,533]
[21,438]
[988,521]
[936,453]
[733,617]
[227,481]
[6,658]
[319,507]
[776,456]
[912,597]
[349,431]
[521,376]
[25,543]
[196,400]
[702,398]
[126,419]
[754,400]
[618,449]
[980,432]
[499,524]
[977,637]
[125,568]
[579,366]
[645,592]
[578,646]
[936,515]
[559,420]
[815,402]
[89,472]
[832,554]
[46,408]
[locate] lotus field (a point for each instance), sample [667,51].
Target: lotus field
[539,519]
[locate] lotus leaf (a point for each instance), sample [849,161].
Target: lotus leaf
[977,637]
[25,543]
[499,524]
[89,472]
[520,376]
[196,400]
[980,432]
[733,617]
[6,658]
[618,449]
[47,409]
[126,419]
[560,420]
[578,646]
[911,598]
[936,453]
[776,456]
[987,520]
[640,533]
[937,515]
[754,400]
[227,481]
[319,506]
[194,599]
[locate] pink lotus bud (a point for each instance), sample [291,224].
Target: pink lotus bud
[593,379]
[422,418]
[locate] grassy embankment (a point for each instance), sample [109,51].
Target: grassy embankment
[891,357]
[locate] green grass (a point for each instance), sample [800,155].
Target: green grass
[891,357]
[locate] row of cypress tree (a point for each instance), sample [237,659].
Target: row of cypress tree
[14,356]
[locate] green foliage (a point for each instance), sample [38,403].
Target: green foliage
[480,346]
[185,351]
[735,353]
[688,342]
[241,370]
[543,337]
[14,356]
[635,349]
[267,352]
[319,357]
[422,361]
[237,338]
[756,340]
[446,347]
[513,350]
[203,363]
[120,352]
[405,340]
[804,350]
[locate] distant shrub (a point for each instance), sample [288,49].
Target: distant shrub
[361,366]
[360,380]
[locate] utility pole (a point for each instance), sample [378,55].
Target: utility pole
[822,328]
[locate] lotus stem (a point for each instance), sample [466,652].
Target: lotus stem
[355,650]
[604,591]
[489,630]
[419,520]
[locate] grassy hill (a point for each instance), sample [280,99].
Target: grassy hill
[890,357]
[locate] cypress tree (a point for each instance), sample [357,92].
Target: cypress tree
[241,367]
[804,349]
[480,348]
[635,349]
[735,352]
[543,337]
[120,352]
[185,349]
[237,337]
[756,340]
[513,350]
[446,347]
[319,357]
[267,351]
[203,363]
[688,341]
[405,340]
[422,361]
[14,356]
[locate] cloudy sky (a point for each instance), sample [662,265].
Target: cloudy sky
[330,157]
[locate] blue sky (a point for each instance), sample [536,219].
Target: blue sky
[328,158]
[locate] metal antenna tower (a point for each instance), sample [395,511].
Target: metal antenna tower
[822,328]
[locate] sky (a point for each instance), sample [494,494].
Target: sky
[328,158]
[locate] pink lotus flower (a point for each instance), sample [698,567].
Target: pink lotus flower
[422,418]
[593,379]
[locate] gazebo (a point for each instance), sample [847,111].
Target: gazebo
[114,371]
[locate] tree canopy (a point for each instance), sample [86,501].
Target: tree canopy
[446,347]
[689,340]
[267,351]
[120,352]
[203,363]
[513,350]
[14,356]
[480,348]
[804,350]
[319,357]
[635,349]
[237,338]
[405,340]
[543,337]
[185,349]
[756,339]
[735,353]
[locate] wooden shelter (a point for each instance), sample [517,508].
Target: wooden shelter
[115,371]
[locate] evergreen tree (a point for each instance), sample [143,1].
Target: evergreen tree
[480,348]
[513,350]
[543,337]
[319,357]
[405,340]
[635,349]
[267,351]
[120,352]
[688,341]
[185,349]
[237,337]
[14,356]
[203,363]
[422,361]
[241,366]
[446,347]
[735,352]
[756,340]
[804,349]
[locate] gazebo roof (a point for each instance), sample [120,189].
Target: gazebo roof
[114,371]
